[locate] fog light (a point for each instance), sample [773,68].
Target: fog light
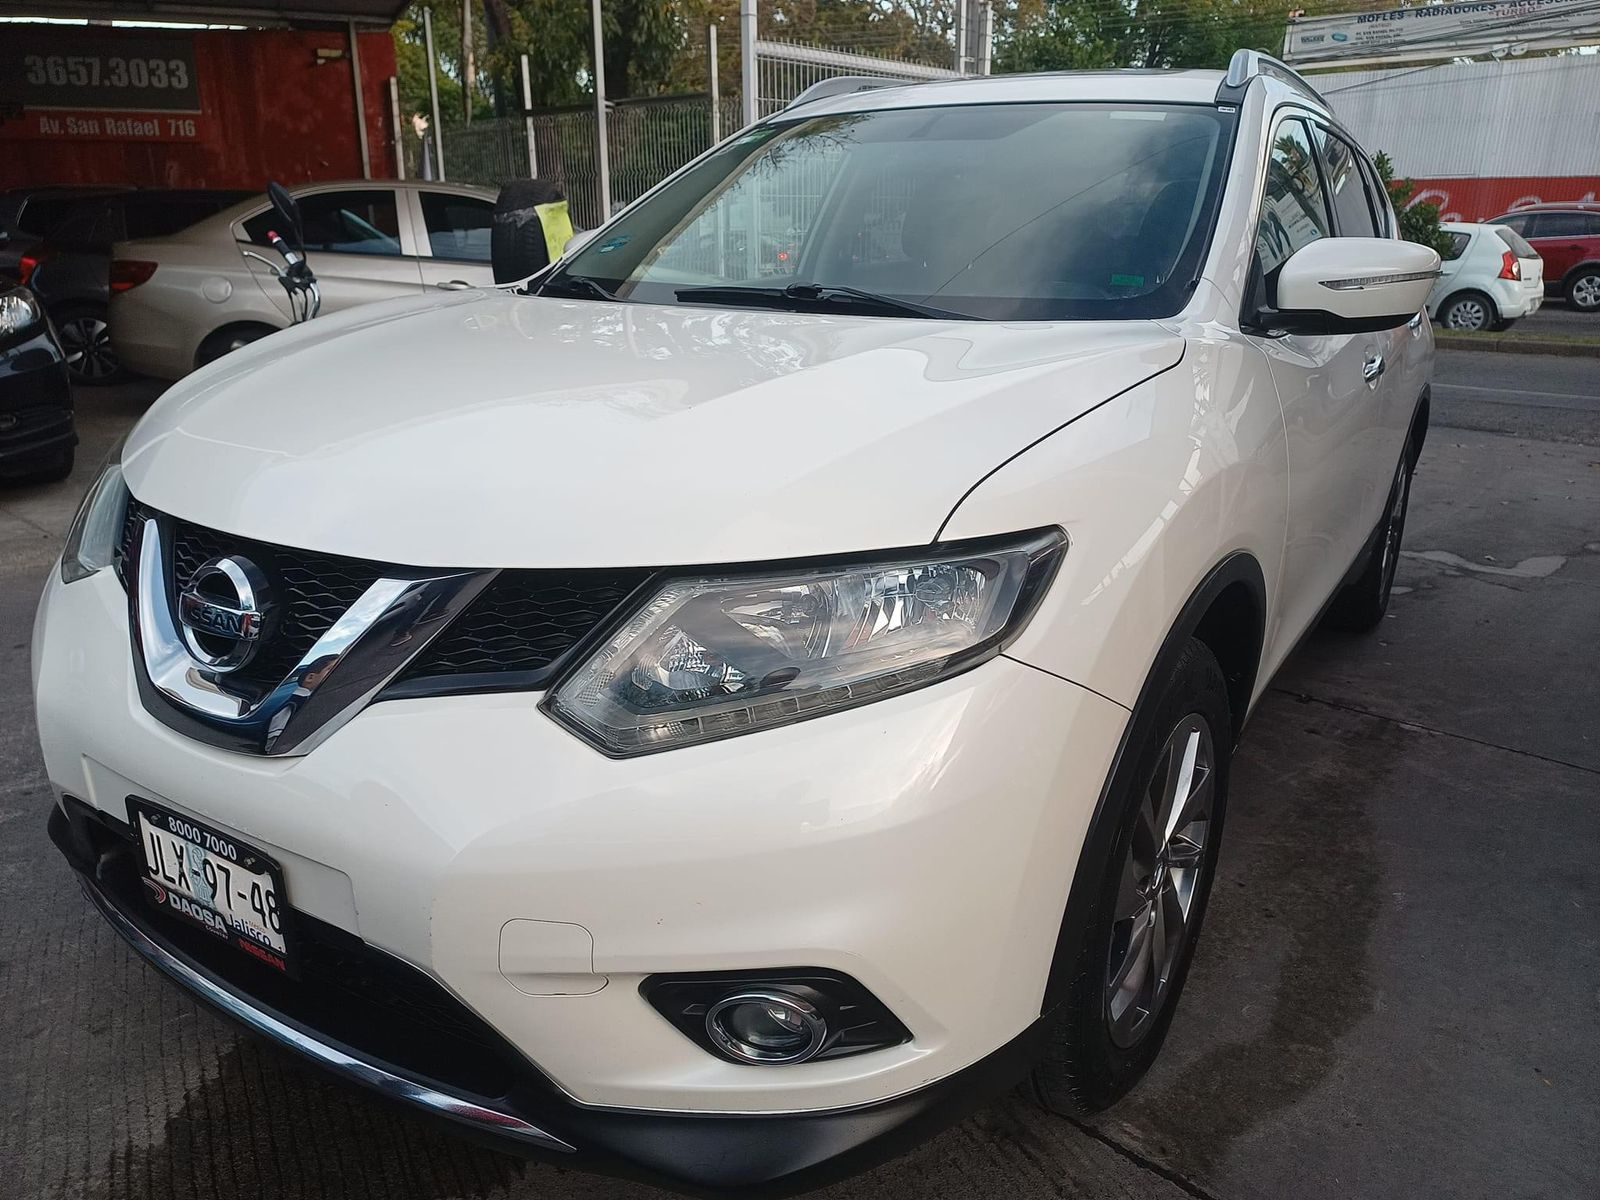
[766,1027]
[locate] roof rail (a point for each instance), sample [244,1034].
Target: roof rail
[1246,65]
[841,85]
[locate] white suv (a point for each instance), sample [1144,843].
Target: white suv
[724,708]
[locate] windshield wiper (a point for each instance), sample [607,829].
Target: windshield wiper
[580,285]
[833,295]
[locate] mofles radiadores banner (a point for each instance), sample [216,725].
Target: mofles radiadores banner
[1439,30]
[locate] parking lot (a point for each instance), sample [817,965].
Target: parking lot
[1398,992]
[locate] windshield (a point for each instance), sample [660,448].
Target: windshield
[996,212]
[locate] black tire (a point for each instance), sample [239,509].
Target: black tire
[1089,1061]
[1583,289]
[1468,312]
[86,338]
[1502,325]
[1360,605]
[52,470]
[516,242]
[226,340]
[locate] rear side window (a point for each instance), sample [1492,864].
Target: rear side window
[1515,240]
[1292,211]
[1458,245]
[1352,207]
[1519,224]
[1564,224]
[458,226]
[358,221]
[165,217]
[41,214]
[89,225]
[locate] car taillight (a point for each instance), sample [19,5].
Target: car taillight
[26,268]
[1510,266]
[129,273]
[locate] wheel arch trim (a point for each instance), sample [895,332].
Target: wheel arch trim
[1237,568]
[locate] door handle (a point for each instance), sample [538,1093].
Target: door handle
[453,285]
[1373,368]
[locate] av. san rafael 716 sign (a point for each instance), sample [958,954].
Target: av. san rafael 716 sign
[120,85]
[1440,30]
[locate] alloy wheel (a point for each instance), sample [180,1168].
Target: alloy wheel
[87,342]
[1586,292]
[1160,881]
[1468,315]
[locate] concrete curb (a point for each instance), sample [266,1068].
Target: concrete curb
[1512,344]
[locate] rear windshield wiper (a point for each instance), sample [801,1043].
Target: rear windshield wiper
[575,285]
[833,295]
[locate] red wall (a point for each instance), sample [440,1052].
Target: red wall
[268,111]
[1480,199]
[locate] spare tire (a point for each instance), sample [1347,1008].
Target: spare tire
[516,242]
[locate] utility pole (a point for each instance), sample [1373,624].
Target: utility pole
[433,91]
[602,151]
[469,63]
[527,117]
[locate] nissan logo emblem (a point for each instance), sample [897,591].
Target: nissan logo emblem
[224,612]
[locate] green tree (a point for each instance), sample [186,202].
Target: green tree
[1418,222]
[1083,34]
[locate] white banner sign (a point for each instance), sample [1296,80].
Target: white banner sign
[1439,30]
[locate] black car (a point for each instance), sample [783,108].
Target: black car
[37,437]
[28,213]
[69,269]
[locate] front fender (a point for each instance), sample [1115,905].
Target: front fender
[1155,488]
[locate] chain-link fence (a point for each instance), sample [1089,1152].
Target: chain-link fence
[649,139]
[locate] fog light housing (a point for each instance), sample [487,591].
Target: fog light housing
[766,1027]
[776,1017]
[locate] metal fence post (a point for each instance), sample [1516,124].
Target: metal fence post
[527,117]
[601,150]
[399,135]
[986,41]
[433,92]
[747,61]
[716,93]
[962,9]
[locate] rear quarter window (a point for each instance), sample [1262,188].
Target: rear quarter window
[1458,245]
[1519,244]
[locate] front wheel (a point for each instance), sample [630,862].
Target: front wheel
[1138,942]
[1583,290]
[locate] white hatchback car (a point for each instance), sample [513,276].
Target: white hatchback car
[1491,278]
[730,706]
[179,302]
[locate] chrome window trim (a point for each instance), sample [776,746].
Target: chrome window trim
[394,620]
[386,1082]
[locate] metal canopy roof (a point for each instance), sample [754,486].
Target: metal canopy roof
[280,13]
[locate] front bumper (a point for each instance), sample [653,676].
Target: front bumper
[923,845]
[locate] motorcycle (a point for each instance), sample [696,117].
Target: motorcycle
[305,298]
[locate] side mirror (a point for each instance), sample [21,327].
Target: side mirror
[1352,285]
[579,239]
[288,211]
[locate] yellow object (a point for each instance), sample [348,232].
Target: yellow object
[557,224]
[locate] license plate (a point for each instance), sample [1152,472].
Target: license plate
[212,880]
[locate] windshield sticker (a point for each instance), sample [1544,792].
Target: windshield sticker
[615,243]
[1127,281]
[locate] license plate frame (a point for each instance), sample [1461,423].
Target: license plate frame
[231,860]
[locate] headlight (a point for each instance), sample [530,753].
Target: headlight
[92,539]
[19,312]
[708,658]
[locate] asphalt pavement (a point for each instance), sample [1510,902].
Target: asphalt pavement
[1397,993]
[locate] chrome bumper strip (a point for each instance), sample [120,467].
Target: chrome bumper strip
[389,1084]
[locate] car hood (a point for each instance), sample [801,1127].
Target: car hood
[487,429]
